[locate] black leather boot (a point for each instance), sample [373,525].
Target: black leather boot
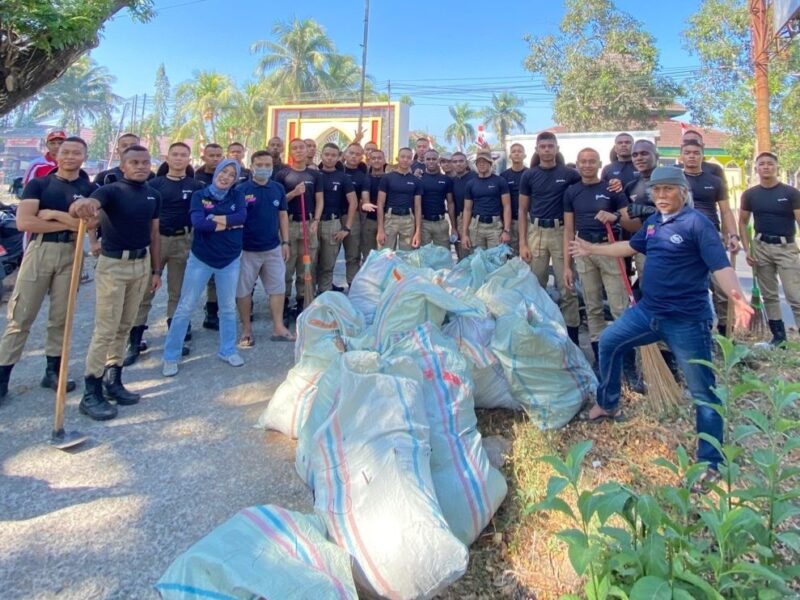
[573,335]
[185,350]
[212,319]
[93,404]
[631,373]
[5,376]
[112,384]
[778,330]
[50,379]
[134,345]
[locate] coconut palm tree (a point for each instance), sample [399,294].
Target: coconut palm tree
[199,104]
[81,95]
[341,79]
[460,129]
[503,115]
[295,63]
[245,116]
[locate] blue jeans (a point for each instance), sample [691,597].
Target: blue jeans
[195,279]
[688,340]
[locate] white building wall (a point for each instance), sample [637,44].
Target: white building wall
[572,143]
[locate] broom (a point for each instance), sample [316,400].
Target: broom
[758,324]
[730,317]
[664,395]
[308,287]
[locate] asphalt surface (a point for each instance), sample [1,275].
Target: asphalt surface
[106,519]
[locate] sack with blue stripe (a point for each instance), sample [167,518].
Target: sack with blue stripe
[468,487]
[373,486]
[549,375]
[322,333]
[262,552]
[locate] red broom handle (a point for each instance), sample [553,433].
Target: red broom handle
[303,222]
[621,265]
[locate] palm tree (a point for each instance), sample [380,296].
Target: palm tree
[82,94]
[199,104]
[295,63]
[341,79]
[504,114]
[245,116]
[460,129]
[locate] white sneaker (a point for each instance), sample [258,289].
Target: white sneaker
[169,368]
[233,360]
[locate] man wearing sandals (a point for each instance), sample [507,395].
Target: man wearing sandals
[265,248]
[681,244]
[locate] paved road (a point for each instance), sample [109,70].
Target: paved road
[106,521]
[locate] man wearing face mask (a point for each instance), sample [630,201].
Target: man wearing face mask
[681,245]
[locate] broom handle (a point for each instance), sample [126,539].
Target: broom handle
[75,277]
[303,222]
[621,264]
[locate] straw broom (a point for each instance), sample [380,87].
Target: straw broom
[664,395]
[758,324]
[308,287]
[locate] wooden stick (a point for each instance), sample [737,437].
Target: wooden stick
[308,286]
[730,317]
[63,372]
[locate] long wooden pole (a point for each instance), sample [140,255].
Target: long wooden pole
[759,33]
[363,66]
[63,372]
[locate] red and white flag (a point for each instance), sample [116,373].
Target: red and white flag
[481,141]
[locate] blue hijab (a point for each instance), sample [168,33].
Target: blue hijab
[217,193]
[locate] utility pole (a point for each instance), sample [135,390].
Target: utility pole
[363,65]
[760,37]
[141,121]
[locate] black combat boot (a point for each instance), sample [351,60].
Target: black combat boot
[778,330]
[185,350]
[631,373]
[93,404]
[5,376]
[212,318]
[112,383]
[134,345]
[573,335]
[50,379]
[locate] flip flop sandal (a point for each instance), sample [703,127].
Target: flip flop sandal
[706,482]
[246,341]
[282,338]
[616,417]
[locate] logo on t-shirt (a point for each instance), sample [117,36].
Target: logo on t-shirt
[250,198]
[276,203]
[783,199]
[208,204]
[708,187]
[675,238]
[601,197]
[651,231]
[561,181]
[335,186]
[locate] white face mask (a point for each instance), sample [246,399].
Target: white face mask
[262,172]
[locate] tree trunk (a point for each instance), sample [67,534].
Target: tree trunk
[759,30]
[24,69]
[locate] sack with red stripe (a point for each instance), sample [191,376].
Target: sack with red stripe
[373,486]
[262,552]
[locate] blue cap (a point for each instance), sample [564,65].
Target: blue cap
[668,176]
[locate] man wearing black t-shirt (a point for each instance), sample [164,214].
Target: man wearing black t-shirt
[588,206]
[513,175]
[275,148]
[356,170]
[303,186]
[641,205]
[708,167]
[337,193]
[437,203]
[236,152]
[775,207]
[541,210]
[211,157]
[418,162]
[621,165]
[709,196]
[125,141]
[400,206]
[175,241]
[128,211]
[47,263]
[462,175]
[369,228]
[487,207]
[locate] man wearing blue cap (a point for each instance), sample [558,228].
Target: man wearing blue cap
[681,244]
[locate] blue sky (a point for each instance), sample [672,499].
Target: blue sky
[420,46]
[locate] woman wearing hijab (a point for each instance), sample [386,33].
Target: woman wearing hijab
[218,213]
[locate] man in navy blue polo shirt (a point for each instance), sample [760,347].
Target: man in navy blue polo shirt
[513,175]
[400,206]
[682,245]
[487,207]
[437,201]
[265,247]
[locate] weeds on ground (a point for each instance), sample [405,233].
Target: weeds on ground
[734,542]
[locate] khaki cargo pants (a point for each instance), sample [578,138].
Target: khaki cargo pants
[294,267]
[485,235]
[514,242]
[596,273]
[398,230]
[327,253]
[45,270]
[437,232]
[120,286]
[174,255]
[774,261]
[547,244]
[461,252]
[369,237]
[352,248]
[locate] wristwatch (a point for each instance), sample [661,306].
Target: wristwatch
[157,272]
[284,243]
[345,228]
[508,231]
